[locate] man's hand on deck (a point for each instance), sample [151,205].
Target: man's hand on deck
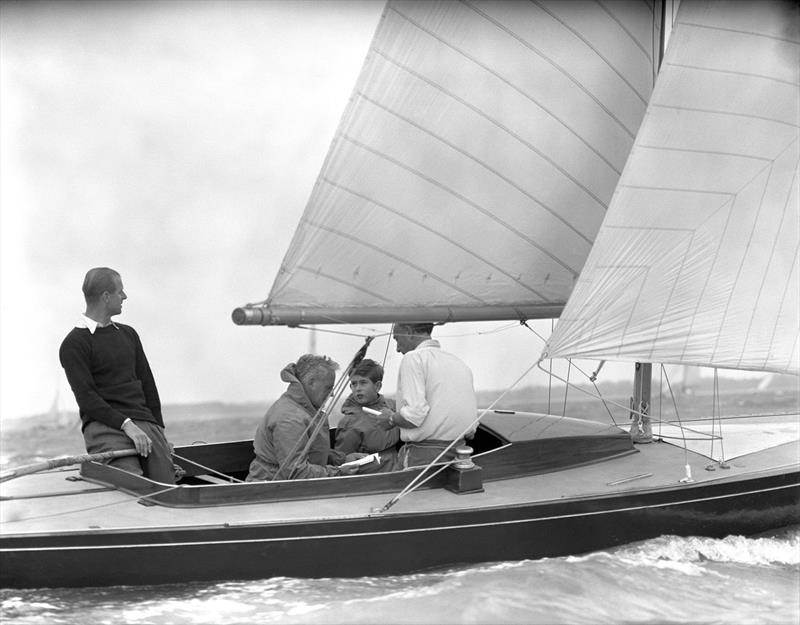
[140,440]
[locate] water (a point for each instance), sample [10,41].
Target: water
[666,580]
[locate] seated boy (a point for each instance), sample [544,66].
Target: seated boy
[361,432]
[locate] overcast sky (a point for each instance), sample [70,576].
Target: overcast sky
[178,142]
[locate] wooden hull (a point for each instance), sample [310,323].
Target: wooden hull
[102,536]
[397,543]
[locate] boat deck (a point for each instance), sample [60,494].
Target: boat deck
[63,503]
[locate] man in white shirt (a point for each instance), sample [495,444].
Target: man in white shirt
[436,402]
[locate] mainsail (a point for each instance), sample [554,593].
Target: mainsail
[697,259]
[473,166]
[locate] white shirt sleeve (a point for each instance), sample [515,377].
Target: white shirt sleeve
[411,390]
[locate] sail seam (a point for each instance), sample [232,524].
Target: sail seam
[565,73]
[421,225]
[488,69]
[647,228]
[765,273]
[717,70]
[319,272]
[641,272]
[675,283]
[778,230]
[741,32]
[627,32]
[483,164]
[596,51]
[788,368]
[676,190]
[783,301]
[380,250]
[662,148]
[724,318]
[466,200]
[524,94]
[729,113]
[729,204]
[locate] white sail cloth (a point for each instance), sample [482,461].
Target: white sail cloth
[697,259]
[474,164]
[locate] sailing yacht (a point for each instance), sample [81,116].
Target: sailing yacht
[505,160]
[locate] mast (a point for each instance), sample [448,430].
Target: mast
[641,427]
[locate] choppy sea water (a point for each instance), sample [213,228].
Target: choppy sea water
[665,580]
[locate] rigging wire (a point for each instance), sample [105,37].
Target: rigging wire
[718,411]
[566,388]
[497,330]
[617,404]
[680,425]
[372,334]
[524,322]
[386,351]
[97,507]
[230,478]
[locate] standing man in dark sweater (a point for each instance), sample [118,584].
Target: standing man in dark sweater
[112,382]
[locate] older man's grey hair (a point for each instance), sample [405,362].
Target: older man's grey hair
[310,367]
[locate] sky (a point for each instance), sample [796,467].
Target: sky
[178,143]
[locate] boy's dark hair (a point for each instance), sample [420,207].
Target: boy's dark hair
[368,369]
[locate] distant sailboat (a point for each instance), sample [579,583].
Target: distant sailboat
[63,411]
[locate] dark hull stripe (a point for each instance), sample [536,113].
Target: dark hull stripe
[387,532]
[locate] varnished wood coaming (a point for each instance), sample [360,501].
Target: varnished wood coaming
[509,445]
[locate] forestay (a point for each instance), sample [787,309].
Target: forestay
[697,260]
[473,166]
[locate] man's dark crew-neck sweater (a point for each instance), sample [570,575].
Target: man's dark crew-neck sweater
[110,376]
